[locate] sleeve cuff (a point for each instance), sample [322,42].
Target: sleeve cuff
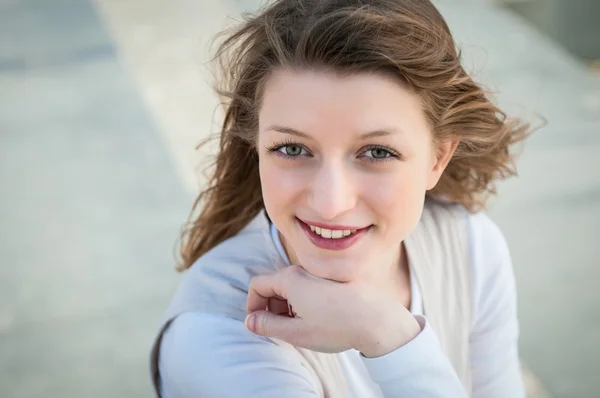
[413,355]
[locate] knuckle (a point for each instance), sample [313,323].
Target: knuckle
[251,285]
[254,281]
[263,325]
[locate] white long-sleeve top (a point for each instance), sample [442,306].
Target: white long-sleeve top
[210,355]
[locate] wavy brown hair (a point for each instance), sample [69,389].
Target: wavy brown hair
[406,38]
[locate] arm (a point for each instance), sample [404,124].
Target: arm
[494,353]
[207,355]
[419,369]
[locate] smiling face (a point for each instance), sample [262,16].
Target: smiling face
[345,162]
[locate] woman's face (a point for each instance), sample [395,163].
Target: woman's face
[344,166]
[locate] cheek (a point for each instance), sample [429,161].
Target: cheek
[397,199]
[280,186]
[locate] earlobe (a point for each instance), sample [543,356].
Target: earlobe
[444,154]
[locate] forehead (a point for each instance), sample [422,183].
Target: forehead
[312,100]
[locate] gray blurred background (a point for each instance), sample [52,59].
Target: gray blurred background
[101,105]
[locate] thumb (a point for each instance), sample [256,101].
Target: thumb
[267,324]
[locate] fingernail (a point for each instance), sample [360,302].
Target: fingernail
[251,322]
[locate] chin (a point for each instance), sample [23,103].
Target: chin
[336,268]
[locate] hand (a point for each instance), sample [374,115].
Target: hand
[328,316]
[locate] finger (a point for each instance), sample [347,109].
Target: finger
[278,307]
[262,288]
[290,330]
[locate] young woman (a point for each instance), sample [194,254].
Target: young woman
[340,249]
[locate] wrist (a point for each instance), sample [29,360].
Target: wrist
[388,335]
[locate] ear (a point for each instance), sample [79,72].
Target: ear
[443,153]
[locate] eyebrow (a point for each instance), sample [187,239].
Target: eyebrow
[365,136]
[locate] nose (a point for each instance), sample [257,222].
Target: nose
[332,191]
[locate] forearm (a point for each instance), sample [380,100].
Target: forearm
[418,369]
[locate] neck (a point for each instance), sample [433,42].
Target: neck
[394,278]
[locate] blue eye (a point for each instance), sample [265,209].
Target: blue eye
[289,150]
[378,153]
[292,150]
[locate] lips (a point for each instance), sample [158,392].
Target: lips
[333,237]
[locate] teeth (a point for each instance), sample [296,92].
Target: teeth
[331,234]
[337,234]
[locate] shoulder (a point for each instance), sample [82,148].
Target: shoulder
[485,242]
[252,244]
[484,233]
[492,275]
[488,249]
[485,250]
[209,306]
[218,281]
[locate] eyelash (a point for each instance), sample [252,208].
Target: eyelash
[276,150]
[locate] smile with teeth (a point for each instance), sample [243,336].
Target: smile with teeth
[331,233]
